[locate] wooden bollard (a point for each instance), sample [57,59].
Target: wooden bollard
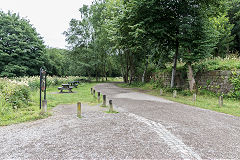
[94,93]
[44,106]
[161,92]
[220,101]
[194,97]
[79,110]
[98,96]
[174,94]
[111,106]
[104,101]
[91,91]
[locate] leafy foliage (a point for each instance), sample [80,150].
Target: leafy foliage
[57,61]
[15,94]
[234,18]
[231,62]
[235,81]
[138,34]
[21,48]
[222,30]
[88,39]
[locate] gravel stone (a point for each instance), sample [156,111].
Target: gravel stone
[209,134]
[146,127]
[98,135]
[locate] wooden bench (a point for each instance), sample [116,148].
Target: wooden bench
[65,87]
[74,83]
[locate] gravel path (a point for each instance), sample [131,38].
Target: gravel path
[209,134]
[98,135]
[146,127]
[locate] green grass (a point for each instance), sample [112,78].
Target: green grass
[231,62]
[32,112]
[111,112]
[115,79]
[210,102]
[81,94]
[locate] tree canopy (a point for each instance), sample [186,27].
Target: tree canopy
[143,35]
[128,38]
[21,47]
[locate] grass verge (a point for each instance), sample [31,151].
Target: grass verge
[210,102]
[32,112]
[111,111]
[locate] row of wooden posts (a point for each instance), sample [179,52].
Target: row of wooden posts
[93,92]
[220,101]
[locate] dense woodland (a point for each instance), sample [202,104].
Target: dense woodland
[128,38]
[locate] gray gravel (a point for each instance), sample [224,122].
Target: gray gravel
[98,135]
[147,127]
[210,135]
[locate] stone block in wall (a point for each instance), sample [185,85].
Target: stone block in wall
[211,73]
[226,73]
[216,81]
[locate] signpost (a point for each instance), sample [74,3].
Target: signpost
[43,85]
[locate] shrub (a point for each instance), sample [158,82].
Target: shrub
[15,94]
[231,62]
[5,107]
[186,92]
[35,84]
[235,81]
[20,96]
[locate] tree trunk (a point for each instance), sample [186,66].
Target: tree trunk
[127,67]
[124,65]
[131,69]
[131,74]
[144,72]
[122,68]
[191,79]
[126,74]
[174,64]
[104,71]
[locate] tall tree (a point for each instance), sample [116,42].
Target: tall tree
[55,61]
[80,36]
[163,22]
[89,41]
[234,18]
[223,30]
[21,47]
[197,42]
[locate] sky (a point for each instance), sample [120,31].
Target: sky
[50,17]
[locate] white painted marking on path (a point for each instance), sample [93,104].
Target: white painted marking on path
[173,142]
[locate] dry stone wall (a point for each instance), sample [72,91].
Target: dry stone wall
[216,81]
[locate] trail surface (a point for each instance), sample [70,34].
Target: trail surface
[146,127]
[194,133]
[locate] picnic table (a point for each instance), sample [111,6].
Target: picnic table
[65,87]
[74,83]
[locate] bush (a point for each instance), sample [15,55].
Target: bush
[235,81]
[231,62]
[14,94]
[35,84]
[186,93]
[34,81]
[5,108]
